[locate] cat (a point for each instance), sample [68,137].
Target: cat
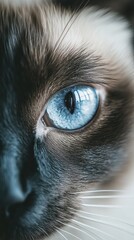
[66,123]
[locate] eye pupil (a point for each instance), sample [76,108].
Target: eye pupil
[70,102]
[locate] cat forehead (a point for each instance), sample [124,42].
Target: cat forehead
[95,31]
[103,34]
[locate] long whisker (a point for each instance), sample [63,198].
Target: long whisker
[105,197]
[101,191]
[105,216]
[61,234]
[80,230]
[68,26]
[102,206]
[94,228]
[70,23]
[105,223]
[42,230]
[83,231]
[71,234]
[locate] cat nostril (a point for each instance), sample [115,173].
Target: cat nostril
[15,183]
[14,198]
[14,189]
[15,204]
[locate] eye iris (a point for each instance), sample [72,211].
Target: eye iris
[70,102]
[72,108]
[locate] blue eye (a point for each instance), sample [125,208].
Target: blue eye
[73,107]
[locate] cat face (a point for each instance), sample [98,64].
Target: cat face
[42,164]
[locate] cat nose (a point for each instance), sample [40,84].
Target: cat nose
[14,190]
[13,196]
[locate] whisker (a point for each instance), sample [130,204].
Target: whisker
[105,223]
[68,26]
[61,234]
[71,234]
[102,206]
[105,216]
[42,230]
[94,228]
[89,235]
[106,197]
[80,230]
[70,23]
[101,191]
